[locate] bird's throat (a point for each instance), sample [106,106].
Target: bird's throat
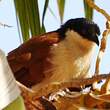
[71,59]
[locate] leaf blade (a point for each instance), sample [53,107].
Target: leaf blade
[88,10]
[20,10]
[45,8]
[61,7]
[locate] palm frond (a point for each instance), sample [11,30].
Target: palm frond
[61,7]
[88,10]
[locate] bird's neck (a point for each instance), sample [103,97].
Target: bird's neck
[79,43]
[71,57]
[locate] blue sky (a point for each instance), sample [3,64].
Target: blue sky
[9,37]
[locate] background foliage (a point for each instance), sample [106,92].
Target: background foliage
[28,16]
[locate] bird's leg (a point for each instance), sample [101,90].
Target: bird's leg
[67,92]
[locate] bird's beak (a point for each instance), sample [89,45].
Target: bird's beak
[96,40]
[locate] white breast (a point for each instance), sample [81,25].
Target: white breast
[72,57]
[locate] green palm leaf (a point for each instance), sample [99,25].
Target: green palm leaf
[20,10]
[33,16]
[29,18]
[88,10]
[28,15]
[61,7]
[43,16]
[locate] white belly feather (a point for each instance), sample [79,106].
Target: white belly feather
[71,59]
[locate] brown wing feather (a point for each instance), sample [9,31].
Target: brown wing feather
[29,61]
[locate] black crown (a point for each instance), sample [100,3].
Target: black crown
[85,27]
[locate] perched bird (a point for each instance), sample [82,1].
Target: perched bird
[57,56]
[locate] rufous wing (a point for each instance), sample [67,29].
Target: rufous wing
[29,61]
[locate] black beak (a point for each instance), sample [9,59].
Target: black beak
[96,40]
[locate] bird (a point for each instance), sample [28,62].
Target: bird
[57,56]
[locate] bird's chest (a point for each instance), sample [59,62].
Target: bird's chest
[68,64]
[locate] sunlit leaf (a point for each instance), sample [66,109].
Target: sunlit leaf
[42,30]
[43,16]
[17,104]
[61,6]
[29,19]
[33,16]
[88,10]
[21,14]
[45,8]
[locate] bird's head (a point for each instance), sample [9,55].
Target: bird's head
[87,29]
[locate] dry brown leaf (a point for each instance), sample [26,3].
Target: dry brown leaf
[66,103]
[82,101]
[76,83]
[102,11]
[102,47]
[105,89]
